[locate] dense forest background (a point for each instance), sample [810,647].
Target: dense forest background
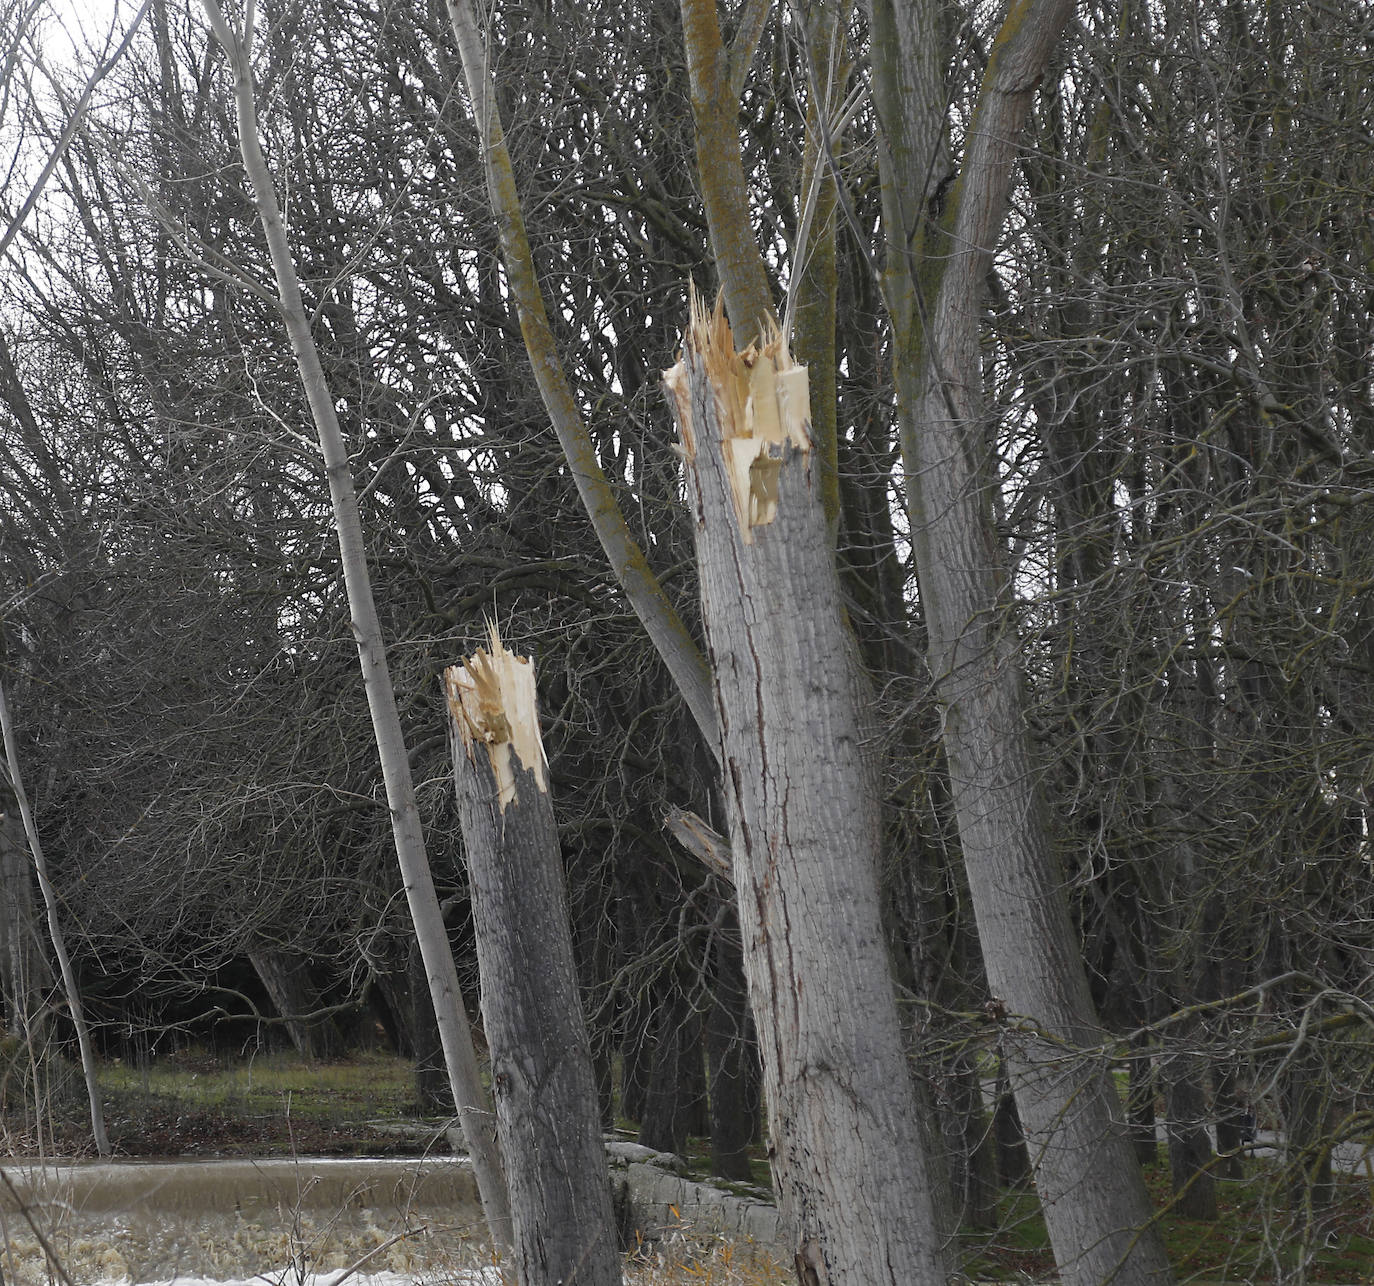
[1171,454]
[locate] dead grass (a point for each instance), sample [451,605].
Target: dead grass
[685,1255]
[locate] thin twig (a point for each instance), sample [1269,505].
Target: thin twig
[37,1232]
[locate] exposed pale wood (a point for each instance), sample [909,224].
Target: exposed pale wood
[492,703]
[546,1104]
[849,1164]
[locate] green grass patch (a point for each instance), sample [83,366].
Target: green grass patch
[362,1086]
[195,1104]
[1255,1238]
[1258,1237]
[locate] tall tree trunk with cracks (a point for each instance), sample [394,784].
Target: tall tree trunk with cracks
[541,1061]
[474,1112]
[848,1158]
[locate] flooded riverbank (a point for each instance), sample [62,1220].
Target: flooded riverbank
[225,1221]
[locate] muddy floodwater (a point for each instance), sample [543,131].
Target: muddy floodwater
[226,1221]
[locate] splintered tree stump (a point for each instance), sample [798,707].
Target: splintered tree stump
[849,1155]
[547,1116]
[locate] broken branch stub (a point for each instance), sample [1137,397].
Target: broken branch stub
[491,698]
[762,405]
[702,841]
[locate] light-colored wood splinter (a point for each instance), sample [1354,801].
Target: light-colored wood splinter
[762,403]
[492,700]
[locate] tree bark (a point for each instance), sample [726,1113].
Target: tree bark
[1095,1201]
[1140,1103]
[1233,1117]
[850,1170]
[1305,1088]
[665,1120]
[59,944]
[546,1104]
[286,978]
[433,1092]
[473,1110]
[1190,1146]
[1090,1187]
[720,171]
[974,1163]
[1013,1158]
[814,287]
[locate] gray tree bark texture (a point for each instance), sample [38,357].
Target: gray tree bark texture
[1096,1206]
[547,1113]
[468,1093]
[285,977]
[850,1169]
[1086,1175]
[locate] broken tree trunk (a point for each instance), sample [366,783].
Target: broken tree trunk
[547,1115]
[849,1163]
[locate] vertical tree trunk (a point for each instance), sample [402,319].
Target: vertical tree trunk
[468,1093]
[672,1081]
[1305,1091]
[720,173]
[1190,1146]
[286,978]
[731,1062]
[409,1020]
[634,1072]
[59,945]
[1013,1157]
[974,1164]
[1096,1206]
[23,973]
[1140,1103]
[850,1169]
[1233,1121]
[546,1105]
[432,1089]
